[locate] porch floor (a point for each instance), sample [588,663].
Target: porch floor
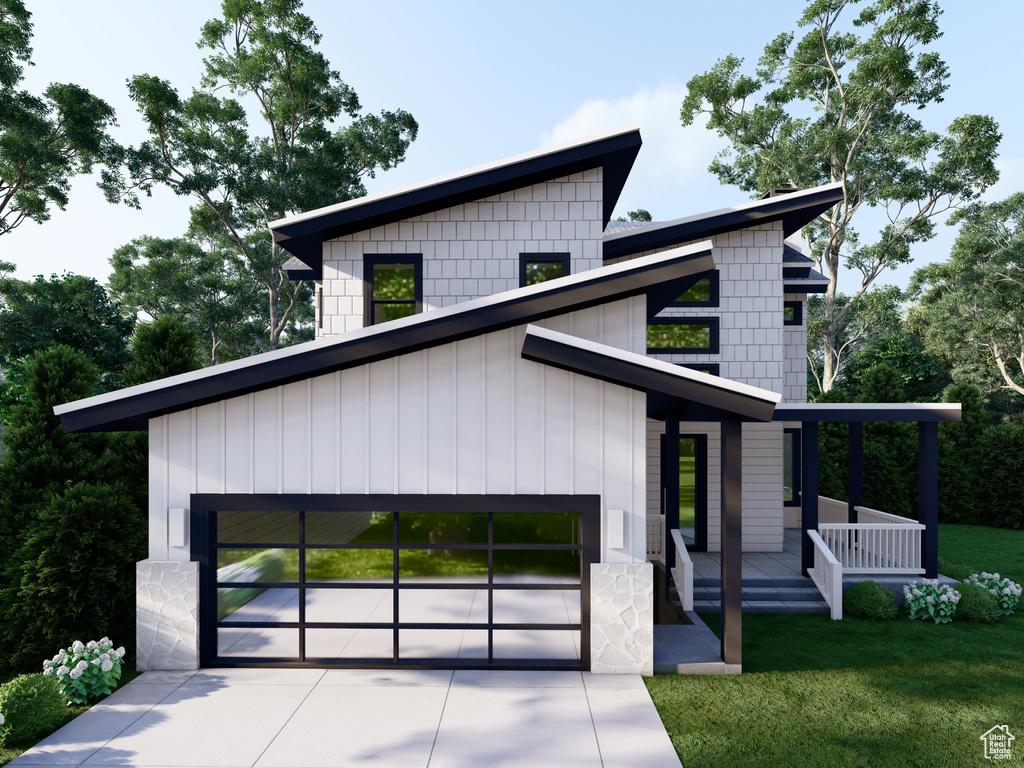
[756,565]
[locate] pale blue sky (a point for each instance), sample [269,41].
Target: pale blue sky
[488,80]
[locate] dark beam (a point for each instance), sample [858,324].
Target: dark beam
[928,495]
[855,469]
[732,541]
[809,499]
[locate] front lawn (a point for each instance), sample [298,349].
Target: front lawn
[855,692]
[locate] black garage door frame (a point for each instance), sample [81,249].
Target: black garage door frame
[203,525]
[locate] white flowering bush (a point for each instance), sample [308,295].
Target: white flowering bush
[1006,592]
[86,670]
[927,599]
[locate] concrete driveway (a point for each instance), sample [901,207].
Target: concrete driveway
[402,718]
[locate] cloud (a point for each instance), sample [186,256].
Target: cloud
[670,177]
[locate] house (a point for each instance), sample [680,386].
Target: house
[459,470]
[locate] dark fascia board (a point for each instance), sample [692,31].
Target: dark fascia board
[847,412]
[794,263]
[303,235]
[131,408]
[794,211]
[716,397]
[813,282]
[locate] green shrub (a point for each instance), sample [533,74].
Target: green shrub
[870,600]
[958,571]
[977,604]
[32,706]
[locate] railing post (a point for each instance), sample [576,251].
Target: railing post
[809,516]
[928,494]
[732,541]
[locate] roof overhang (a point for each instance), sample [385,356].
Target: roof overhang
[614,151]
[131,408]
[847,412]
[672,391]
[794,210]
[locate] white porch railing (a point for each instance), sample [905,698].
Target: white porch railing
[682,573]
[827,575]
[875,547]
[656,537]
[832,510]
[868,515]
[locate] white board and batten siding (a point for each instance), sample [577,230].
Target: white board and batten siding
[469,417]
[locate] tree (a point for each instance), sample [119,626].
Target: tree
[972,306]
[264,51]
[72,310]
[47,140]
[639,214]
[203,283]
[833,109]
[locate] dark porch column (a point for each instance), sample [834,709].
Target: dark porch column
[928,494]
[809,497]
[732,541]
[670,493]
[855,468]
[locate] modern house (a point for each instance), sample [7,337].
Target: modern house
[465,468]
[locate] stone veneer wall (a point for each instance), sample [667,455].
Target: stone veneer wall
[167,614]
[622,618]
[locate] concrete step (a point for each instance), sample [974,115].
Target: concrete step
[765,606]
[761,594]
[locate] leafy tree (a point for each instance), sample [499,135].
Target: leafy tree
[972,306]
[73,310]
[958,455]
[639,214]
[165,347]
[832,107]
[265,52]
[202,282]
[47,140]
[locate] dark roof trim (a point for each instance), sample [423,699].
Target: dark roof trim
[131,408]
[719,398]
[303,235]
[813,282]
[296,270]
[847,412]
[793,210]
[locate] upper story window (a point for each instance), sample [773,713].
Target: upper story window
[792,313]
[393,287]
[703,293]
[683,334]
[538,267]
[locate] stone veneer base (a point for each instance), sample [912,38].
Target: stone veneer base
[167,614]
[622,618]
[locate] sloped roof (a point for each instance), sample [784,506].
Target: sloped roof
[303,235]
[131,408]
[794,210]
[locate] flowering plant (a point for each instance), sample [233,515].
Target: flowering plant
[86,670]
[1006,592]
[925,598]
[1,723]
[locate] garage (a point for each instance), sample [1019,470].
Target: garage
[373,581]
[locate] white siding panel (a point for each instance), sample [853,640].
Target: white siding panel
[158,464]
[295,418]
[411,423]
[323,442]
[267,441]
[586,423]
[383,426]
[181,463]
[210,448]
[557,431]
[529,427]
[238,448]
[440,420]
[498,434]
[352,422]
[469,415]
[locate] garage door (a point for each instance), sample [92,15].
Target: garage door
[477,582]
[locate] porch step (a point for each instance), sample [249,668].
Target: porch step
[762,595]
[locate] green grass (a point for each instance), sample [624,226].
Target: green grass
[817,692]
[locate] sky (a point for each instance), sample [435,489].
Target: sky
[485,81]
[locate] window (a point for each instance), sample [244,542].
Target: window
[703,293]
[791,467]
[538,267]
[792,313]
[393,287]
[683,334]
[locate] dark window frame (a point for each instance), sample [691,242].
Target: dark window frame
[798,312]
[713,293]
[545,258]
[797,464]
[713,340]
[370,260]
[711,368]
